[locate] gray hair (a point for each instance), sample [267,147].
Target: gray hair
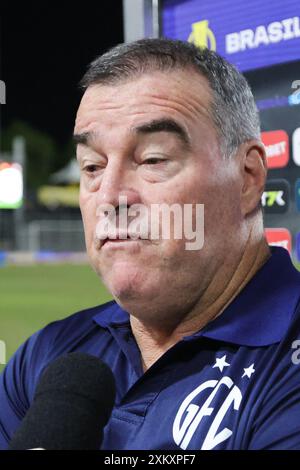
[233,109]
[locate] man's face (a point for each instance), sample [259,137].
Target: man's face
[152,140]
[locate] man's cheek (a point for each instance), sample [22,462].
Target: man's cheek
[89,229]
[171,251]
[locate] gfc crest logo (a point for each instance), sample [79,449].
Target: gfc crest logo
[202,35]
[190,415]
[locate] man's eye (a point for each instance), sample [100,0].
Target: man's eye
[153,161]
[90,169]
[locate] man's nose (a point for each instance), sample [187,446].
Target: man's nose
[118,186]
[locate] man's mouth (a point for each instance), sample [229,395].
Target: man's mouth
[117,239]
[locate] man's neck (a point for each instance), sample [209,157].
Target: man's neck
[154,341]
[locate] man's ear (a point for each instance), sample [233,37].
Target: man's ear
[253,161]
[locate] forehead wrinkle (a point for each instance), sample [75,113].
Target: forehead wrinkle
[134,110]
[188,101]
[111,102]
[187,105]
[105,107]
[187,111]
[155,99]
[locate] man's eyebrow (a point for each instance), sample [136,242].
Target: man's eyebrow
[156,125]
[164,125]
[84,138]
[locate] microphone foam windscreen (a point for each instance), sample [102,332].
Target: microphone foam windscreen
[72,404]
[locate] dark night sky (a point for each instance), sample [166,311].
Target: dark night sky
[44,52]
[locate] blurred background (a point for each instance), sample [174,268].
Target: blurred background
[44,51]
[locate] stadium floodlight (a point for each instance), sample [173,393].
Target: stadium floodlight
[11,185]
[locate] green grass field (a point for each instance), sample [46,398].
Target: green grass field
[31,297]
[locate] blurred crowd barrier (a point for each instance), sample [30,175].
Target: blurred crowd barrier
[41,236]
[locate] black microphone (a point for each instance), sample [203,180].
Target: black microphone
[72,404]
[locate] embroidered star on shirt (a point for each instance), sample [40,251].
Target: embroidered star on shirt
[249,371]
[221,363]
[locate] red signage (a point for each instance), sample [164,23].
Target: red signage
[279,237]
[277,148]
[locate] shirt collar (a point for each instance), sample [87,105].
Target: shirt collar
[258,316]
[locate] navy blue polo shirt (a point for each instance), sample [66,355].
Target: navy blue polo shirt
[233,385]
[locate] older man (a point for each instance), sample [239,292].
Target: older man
[200,340]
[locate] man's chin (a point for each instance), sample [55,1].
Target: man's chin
[128,285]
[123,280]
